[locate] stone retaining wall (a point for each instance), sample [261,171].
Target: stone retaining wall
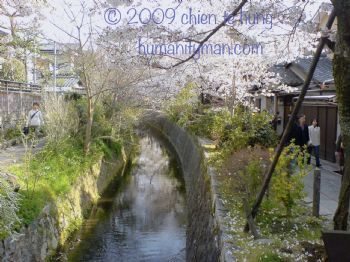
[203,233]
[41,238]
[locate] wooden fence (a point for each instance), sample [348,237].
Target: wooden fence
[16,100]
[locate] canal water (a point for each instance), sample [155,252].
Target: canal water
[146,219]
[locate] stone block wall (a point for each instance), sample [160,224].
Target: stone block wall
[39,240]
[203,234]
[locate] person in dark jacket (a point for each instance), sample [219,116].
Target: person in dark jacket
[300,132]
[340,154]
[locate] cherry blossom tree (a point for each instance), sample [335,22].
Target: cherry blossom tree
[274,28]
[104,69]
[21,20]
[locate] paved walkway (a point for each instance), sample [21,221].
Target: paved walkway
[15,154]
[330,187]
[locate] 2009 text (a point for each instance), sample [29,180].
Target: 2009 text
[168,16]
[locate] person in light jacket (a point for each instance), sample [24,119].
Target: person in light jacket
[35,119]
[314,143]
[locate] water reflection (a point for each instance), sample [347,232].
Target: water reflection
[147,220]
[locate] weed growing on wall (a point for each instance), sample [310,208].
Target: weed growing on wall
[9,203]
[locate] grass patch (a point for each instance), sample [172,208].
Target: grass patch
[50,174]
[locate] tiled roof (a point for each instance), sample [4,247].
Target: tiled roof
[287,76]
[324,69]
[324,72]
[70,82]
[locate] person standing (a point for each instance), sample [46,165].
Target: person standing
[300,135]
[35,120]
[340,153]
[315,141]
[300,132]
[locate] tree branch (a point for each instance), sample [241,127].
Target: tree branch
[213,32]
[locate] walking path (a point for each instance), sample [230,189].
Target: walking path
[15,154]
[330,187]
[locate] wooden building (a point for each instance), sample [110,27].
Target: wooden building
[320,101]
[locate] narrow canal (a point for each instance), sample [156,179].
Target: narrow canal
[146,220]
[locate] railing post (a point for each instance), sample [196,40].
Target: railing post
[316,192]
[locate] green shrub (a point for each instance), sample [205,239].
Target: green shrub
[13,69]
[12,133]
[211,124]
[237,131]
[246,169]
[101,125]
[181,110]
[110,147]
[287,185]
[262,131]
[232,133]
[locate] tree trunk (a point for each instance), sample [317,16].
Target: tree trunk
[90,115]
[25,62]
[341,72]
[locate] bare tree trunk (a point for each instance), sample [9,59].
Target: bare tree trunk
[288,128]
[90,104]
[341,70]
[25,62]
[90,115]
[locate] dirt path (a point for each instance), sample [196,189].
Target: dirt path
[16,153]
